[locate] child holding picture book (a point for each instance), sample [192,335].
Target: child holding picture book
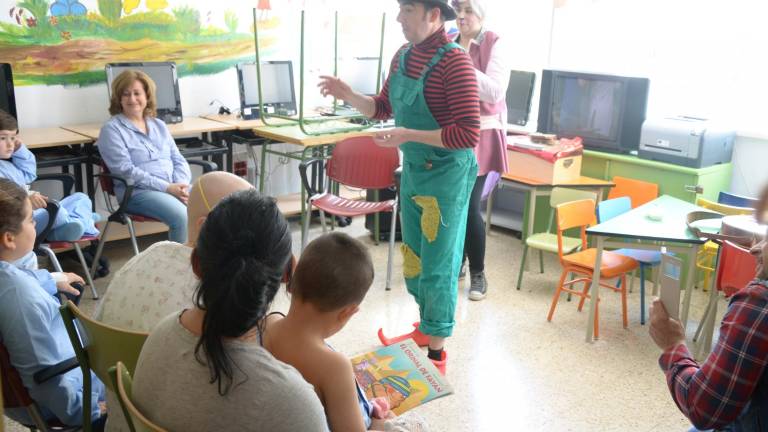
[330,281]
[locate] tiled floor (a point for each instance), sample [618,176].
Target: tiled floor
[512,370]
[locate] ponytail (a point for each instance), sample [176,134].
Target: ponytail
[241,253]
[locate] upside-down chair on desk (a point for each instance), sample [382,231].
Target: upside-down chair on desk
[119,213]
[360,163]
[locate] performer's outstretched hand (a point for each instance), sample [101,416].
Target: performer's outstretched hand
[332,86]
[392,137]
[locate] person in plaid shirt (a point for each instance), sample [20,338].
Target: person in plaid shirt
[729,391]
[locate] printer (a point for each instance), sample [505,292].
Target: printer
[687,141]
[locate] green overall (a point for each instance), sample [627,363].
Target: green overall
[434,194]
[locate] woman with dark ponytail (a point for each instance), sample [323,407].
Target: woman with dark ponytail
[204,368]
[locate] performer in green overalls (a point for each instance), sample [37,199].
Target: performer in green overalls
[432,93]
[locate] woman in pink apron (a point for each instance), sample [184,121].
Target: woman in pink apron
[492,78]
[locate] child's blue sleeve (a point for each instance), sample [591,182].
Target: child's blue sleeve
[22,169]
[45,280]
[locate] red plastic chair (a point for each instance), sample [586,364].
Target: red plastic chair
[50,247]
[117,214]
[736,267]
[360,163]
[15,395]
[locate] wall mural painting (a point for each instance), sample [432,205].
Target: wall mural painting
[68,42]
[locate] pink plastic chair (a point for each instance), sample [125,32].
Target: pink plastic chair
[359,163]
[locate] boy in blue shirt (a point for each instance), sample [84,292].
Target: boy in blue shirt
[18,164]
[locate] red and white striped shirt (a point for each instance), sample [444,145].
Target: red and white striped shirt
[450,90]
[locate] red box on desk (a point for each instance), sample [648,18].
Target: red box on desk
[557,164]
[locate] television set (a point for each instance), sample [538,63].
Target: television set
[362,74]
[606,111]
[166,79]
[519,96]
[7,95]
[278,95]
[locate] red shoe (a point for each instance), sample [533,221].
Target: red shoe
[420,338]
[440,364]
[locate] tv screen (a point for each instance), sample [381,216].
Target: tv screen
[606,111]
[519,95]
[276,85]
[362,74]
[166,80]
[7,95]
[589,108]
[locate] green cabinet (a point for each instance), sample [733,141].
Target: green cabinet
[678,181]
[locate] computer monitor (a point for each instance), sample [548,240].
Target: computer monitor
[278,95]
[7,95]
[606,111]
[519,96]
[362,74]
[166,80]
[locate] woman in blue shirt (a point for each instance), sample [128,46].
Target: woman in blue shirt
[137,146]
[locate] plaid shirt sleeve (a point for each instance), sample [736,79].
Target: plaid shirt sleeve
[714,393]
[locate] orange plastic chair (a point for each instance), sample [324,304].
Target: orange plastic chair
[581,214]
[638,191]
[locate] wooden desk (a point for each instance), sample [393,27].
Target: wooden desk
[190,126]
[671,232]
[35,138]
[535,189]
[42,139]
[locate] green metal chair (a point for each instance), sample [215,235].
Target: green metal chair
[98,347]
[122,382]
[547,241]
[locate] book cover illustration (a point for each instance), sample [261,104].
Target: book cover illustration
[402,373]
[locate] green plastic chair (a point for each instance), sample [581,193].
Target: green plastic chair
[547,241]
[98,347]
[121,380]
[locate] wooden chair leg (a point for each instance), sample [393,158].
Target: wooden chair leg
[597,320]
[584,294]
[642,294]
[624,319]
[556,297]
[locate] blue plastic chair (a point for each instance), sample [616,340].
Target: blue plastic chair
[611,208]
[734,200]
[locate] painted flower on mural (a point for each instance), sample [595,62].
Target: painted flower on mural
[68,7]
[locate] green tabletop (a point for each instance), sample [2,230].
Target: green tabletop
[637,224]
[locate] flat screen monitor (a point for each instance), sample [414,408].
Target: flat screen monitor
[606,111]
[278,95]
[166,80]
[362,74]
[7,95]
[519,96]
